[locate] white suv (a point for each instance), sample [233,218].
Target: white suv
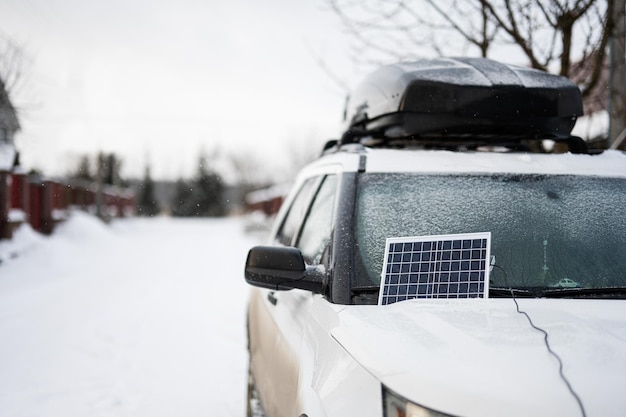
[351,315]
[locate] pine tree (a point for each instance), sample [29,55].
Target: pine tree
[110,164]
[209,191]
[183,204]
[146,201]
[201,196]
[84,171]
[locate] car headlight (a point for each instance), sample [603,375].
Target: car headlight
[396,406]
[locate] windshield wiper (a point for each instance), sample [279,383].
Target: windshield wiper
[494,292]
[542,292]
[604,292]
[499,292]
[371,293]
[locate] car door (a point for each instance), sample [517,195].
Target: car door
[277,319]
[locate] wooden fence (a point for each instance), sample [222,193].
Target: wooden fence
[45,203]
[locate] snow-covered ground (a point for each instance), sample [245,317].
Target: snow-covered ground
[143,317]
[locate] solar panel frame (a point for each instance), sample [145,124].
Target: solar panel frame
[435,266]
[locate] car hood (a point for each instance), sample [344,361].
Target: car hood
[481,357]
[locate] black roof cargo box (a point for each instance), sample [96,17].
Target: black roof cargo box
[462,98]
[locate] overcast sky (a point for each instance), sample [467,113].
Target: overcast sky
[160,80]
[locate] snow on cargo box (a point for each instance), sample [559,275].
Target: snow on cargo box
[462,99]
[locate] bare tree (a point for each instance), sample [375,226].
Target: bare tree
[544,31]
[551,34]
[617,83]
[300,151]
[13,63]
[248,170]
[405,29]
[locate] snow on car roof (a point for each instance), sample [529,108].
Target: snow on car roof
[608,164]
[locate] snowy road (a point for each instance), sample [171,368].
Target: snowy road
[141,318]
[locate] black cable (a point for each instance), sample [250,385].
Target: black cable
[547,343]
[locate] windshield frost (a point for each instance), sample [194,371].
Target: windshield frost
[547,231]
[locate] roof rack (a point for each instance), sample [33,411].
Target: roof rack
[456,103]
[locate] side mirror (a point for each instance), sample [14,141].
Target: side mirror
[282,268]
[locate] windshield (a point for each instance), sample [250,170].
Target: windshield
[546,231]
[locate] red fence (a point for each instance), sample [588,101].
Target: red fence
[45,203]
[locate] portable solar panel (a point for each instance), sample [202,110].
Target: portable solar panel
[442,266]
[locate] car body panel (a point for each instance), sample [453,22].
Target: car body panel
[275,339]
[478,357]
[314,377]
[331,381]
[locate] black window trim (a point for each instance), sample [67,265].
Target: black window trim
[315,187]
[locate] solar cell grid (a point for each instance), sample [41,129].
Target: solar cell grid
[443,266]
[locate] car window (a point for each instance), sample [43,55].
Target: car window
[317,227]
[547,230]
[296,213]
